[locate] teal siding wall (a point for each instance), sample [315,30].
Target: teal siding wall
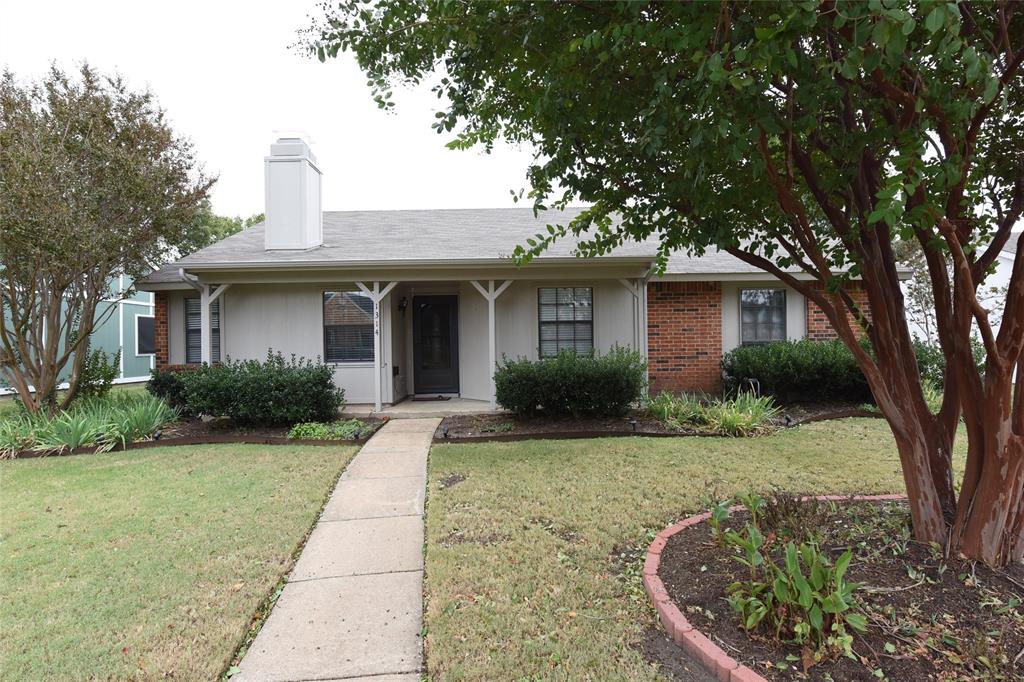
[116,332]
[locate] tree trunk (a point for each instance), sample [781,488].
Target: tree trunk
[990,518]
[919,454]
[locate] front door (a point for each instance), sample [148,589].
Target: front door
[435,344]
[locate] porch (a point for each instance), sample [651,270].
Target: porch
[412,408]
[413,335]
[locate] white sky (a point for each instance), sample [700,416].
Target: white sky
[224,72]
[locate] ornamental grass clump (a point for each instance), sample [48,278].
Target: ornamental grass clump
[742,415]
[116,419]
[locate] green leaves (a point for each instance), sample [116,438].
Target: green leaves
[935,19]
[806,597]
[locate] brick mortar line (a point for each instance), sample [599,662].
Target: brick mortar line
[710,656]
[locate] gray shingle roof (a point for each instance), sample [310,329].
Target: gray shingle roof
[418,236]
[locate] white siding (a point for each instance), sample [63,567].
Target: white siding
[289,318]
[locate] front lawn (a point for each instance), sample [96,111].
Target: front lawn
[524,578]
[148,563]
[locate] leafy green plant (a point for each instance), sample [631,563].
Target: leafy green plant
[503,427]
[338,430]
[806,600]
[572,383]
[932,396]
[719,514]
[677,410]
[98,373]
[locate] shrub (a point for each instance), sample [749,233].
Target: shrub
[742,415]
[821,370]
[98,373]
[167,384]
[931,363]
[350,429]
[572,383]
[796,370]
[274,391]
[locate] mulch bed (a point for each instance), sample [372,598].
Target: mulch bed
[504,426]
[930,618]
[497,426]
[220,428]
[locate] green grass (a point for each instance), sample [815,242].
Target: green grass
[148,563]
[522,581]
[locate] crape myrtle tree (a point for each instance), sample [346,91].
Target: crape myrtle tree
[805,138]
[94,183]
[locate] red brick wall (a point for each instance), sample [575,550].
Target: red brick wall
[684,336]
[160,329]
[818,326]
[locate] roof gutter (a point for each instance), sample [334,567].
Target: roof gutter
[411,263]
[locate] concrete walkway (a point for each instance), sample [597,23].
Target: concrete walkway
[353,605]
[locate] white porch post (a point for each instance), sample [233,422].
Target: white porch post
[205,326]
[491,294]
[207,296]
[377,295]
[634,288]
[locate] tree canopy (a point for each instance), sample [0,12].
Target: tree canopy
[94,183]
[805,138]
[212,228]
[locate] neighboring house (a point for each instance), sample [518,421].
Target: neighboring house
[406,303]
[125,324]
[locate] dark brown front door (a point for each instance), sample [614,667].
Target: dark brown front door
[435,325]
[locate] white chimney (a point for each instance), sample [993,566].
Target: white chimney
[294,212]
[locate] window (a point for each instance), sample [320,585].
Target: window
[566,317]
[145,335]
[193,327]
[762,315]
[348,326]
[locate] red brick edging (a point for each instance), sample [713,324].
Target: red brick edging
[710,655]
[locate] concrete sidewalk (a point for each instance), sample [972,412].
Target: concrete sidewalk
[353,605]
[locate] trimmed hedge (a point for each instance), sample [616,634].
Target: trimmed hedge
[274,391]
[813,370]
[570,383]
[796,370]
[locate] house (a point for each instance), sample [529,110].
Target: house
[125,324]
[406,303]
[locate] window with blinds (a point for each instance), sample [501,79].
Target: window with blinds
[348,326]
[566,318]
[193,331]
[762,315]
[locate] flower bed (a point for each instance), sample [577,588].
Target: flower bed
[925,617]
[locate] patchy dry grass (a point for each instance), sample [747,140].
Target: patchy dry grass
[149,563]
[522,577]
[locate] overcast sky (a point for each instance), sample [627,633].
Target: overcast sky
[225,74]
